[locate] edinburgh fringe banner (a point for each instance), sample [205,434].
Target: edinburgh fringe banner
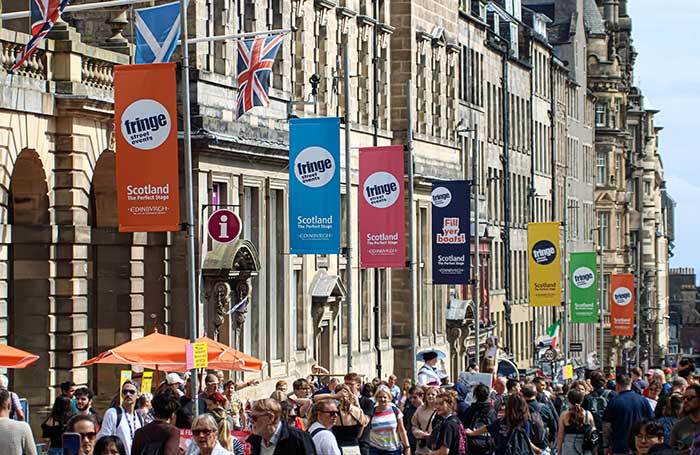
[451,232]
[382,215]
[146,158]
[545,264]
[622,305]
[584,288]
[314,185]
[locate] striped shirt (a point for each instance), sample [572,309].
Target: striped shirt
[383,432]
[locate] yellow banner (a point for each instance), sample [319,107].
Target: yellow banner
[146,382]
[545,264]
[568,371]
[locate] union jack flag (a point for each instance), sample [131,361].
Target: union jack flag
[44,14]
[255,59]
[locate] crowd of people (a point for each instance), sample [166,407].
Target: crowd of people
[652,413]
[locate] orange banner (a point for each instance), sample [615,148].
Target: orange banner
[622,305]
[147,161]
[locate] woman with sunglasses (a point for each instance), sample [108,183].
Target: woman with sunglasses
[86,427]
[350,422]
[205,438]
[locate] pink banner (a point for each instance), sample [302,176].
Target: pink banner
[382,208]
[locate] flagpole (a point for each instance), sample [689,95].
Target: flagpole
[348,191]
[238,36]
[74,8]
[189,200]
[412,232]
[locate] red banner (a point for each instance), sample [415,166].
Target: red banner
[382,207]
[622,305]
[145,126]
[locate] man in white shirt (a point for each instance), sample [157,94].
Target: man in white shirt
[325,415]
[15,437]
[123,421]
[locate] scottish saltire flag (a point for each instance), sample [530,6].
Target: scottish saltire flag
[157,32]
[44,14]
[255,59]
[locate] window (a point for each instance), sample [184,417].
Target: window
[647,187]
[600,115]
[620,232]
[604,229]
[601,168]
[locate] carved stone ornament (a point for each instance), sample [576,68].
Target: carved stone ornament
[222,300]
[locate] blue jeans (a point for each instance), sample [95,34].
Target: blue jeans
[373,451]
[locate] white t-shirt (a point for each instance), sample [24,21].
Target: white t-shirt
[324,440]
[127,427]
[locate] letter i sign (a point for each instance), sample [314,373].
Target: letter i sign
[224,226]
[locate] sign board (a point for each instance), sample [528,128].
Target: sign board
[584,288]
[622,305]
[545,264]
[197,355]
[575,346]
[224,226]
[568,371]
[146,382]
[451,232]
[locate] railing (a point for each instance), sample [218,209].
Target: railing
[98,73]
[34,67]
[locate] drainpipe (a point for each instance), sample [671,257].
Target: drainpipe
[375,139]
[531,191]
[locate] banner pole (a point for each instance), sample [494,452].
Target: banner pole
[412,229]
[74,8]
[637,301]
[477,252]
[189,197]
[348,194]
[602,301]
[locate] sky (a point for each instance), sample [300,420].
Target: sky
[665,36]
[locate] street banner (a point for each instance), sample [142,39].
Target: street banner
[451,232]
[146,382]
[382,216]
[622,305]
[314,185]
[157,32]
[545,264]
[146,158]
[584,288]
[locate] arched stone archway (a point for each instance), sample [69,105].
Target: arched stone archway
[29,296]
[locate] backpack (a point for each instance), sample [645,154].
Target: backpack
[462,435]
[538,429]
[518,443]
[480,444]
[598,403]
[120,413]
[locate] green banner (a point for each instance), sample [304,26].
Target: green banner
[584,288]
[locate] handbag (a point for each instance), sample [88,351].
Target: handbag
[591,438]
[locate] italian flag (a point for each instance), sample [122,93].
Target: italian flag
[553,332]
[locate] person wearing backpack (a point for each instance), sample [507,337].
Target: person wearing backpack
[511,433]
[123,421]
[576,427]
[596,402]
[324,414]
[159,437]
[385,434]
[480,413]
[449,437]
[541,419]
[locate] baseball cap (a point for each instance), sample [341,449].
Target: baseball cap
[174,378]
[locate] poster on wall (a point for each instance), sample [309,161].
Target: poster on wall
[145,127]
[451,232]
[382,214]
[314,185]
[544,264]
[622,305]
[584,288]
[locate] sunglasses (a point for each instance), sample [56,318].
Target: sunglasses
[254,418]
[331,413]
[128,392]
[88,435]
[206,432]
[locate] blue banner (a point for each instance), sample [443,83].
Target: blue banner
[451,232]
[314,185]
[157,33]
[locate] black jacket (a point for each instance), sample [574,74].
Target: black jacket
[292,441]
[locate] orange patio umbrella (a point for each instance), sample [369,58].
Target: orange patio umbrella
[15,358]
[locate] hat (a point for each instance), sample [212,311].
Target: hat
[174,378]
[430,354]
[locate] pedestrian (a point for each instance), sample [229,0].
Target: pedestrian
[15,437]
[621,413]
[123,421]
[175,382]
[83,401]
[449,437]
[678,386]
[685,370]
[498,394]
[541,419]
[109,445]
[185,414]
[273,436]
[511,433]
[429,374]
[281,386]
[211,385]
[407,384]
[415,401]
[542,396]
[351,421]
[462,391]
[68,390]
[652,393]
[481,413]
[324,415]
[638,383]
[670,414]
[55,424]
[647,438]
[16,411]
[144,408]
[684,430]
[205,437]
[86,427]
[159,436]
[574,425]
[422,421]
[234,405]
[385,433]
[395,389]
[366,399]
